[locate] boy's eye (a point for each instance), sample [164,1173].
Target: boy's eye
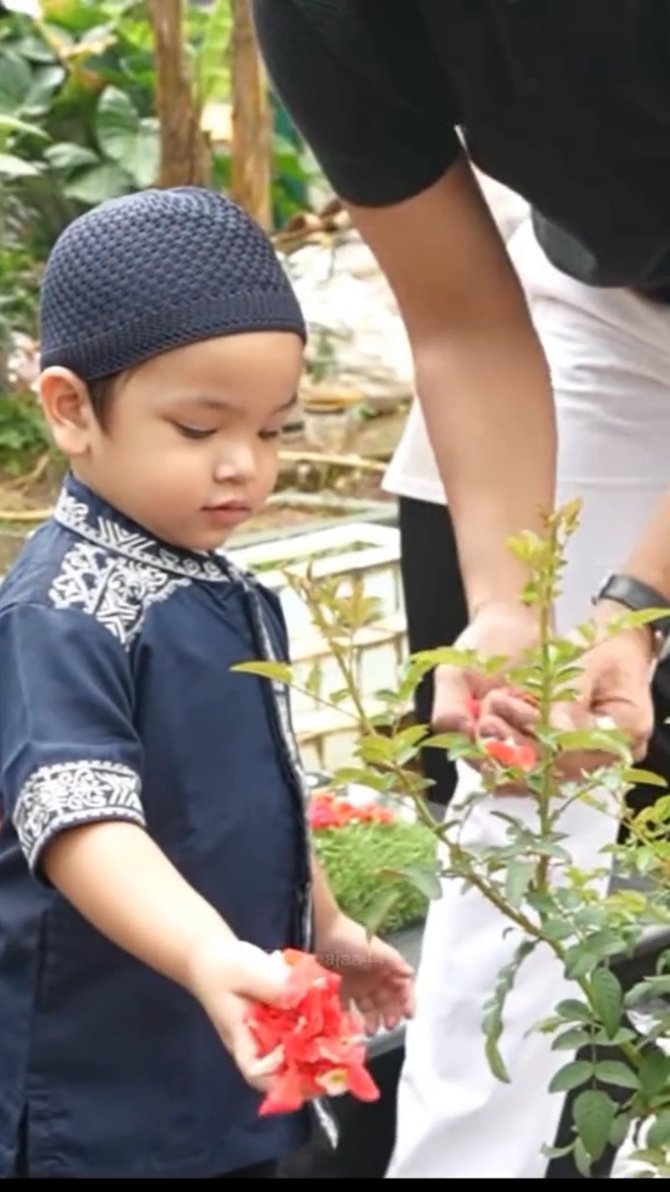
[193,432]
[269,434]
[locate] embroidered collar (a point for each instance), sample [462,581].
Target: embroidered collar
[86,514]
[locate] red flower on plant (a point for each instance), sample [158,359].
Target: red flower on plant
[322,814]
[318,1040]
[326,810]
[508,753]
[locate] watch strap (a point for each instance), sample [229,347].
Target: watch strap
[637,596]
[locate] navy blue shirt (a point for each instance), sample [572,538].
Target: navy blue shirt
[118,702]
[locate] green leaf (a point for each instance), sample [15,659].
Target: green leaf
[595,740]
[517,880]
[376,748]
[106,181]
[66,156]
[579,961]
[556,1152]
[423,879]
[654,1071]
[634,620]
[281,672]
[649,987]
[619,1130]
[571,1076]
[314,680]
[45,82]
[606,943]
[588,631]
[12,124]
[616,1072]
[558,929]
[35,49]
[573,1011]
[376,782]
[446,741]
[607,998]
[494,1008]
[582,1159]
[571,1040]
[15,81]
[593,1113]
[445,656]
[16,167]
[212,66]
[639,777]
[602,1039]
[126,139]
[659,1132]
[380,908]
[408,737]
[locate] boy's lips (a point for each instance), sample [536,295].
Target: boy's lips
[228,512]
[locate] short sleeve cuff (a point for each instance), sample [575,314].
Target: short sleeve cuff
[71,794]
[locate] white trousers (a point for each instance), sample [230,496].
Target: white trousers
[609,355]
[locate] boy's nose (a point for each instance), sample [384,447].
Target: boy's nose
[236,464]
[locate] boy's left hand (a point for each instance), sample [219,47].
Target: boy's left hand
[375,976]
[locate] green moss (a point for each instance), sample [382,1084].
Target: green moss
[353,855]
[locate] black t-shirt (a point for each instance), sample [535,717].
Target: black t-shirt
[565,101]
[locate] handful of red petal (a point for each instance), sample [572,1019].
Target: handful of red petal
[509,752]
[319,1042]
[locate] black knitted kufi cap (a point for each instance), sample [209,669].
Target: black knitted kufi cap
[156,270]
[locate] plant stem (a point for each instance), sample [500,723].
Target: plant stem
[547,587]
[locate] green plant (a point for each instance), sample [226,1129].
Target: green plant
[354,855]
[77,107]
[23,432]
[80,81]
[531,878]
[19,279]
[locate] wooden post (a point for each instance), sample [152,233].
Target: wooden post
[184,160]
[251,121]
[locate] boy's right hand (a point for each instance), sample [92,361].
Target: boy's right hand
[226,975]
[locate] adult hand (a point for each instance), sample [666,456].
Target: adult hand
[499,630]
[615,686]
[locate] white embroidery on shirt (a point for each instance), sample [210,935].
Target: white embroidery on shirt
[117,591]
[111,535]
[70,794]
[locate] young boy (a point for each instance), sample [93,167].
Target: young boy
[153,851]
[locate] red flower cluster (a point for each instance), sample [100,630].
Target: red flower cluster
[508,753]
[326,810]
[319,1042]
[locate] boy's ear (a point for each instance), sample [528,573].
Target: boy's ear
[67,408]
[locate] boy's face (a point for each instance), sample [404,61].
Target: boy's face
[189,447]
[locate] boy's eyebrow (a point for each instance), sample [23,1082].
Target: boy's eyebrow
[217,403]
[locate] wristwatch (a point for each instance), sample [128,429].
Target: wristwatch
[637,596]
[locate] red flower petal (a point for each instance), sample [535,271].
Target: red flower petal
[287,1095]
[361,1084]
[510,754]
[384,815]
